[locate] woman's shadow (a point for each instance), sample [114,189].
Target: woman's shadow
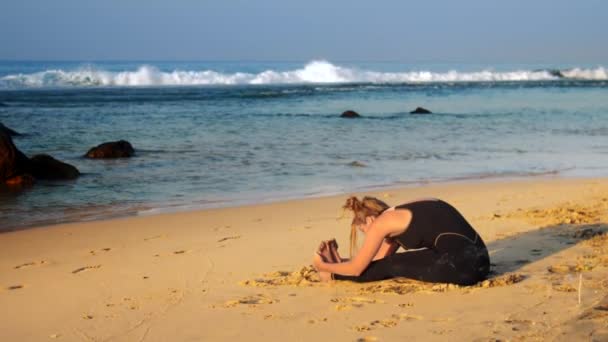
[512,253]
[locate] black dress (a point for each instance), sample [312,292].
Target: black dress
[447,249]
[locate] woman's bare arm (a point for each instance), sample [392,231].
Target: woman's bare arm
[387,248]
[373,241]
[384,225]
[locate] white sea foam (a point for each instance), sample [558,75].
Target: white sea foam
[313,72]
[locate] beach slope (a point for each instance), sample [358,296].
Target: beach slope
[244,272]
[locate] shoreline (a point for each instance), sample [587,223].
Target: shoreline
[193,275]
[147,209]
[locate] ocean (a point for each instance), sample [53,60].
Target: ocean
[215,134]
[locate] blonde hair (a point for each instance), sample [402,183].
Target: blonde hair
[368,206]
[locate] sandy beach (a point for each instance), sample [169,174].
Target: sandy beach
[244,273]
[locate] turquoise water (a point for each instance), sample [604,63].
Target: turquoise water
[220,134]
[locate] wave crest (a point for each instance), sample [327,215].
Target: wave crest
[313,72]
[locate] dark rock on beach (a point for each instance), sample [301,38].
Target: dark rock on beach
[114,149]
[420,110]
[44,166]
[8,130]
[350,114]
[12,161]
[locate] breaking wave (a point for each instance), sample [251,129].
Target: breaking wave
[313,72]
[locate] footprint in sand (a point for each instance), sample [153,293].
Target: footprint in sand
[347,303]
[93,252]
[519,325]
[251,300]
[314,321]
[386,323]
[85,268]
[367,339]
[407,317]
[154,237]
[31,264]
[229,238]
[220,228]
[15,287]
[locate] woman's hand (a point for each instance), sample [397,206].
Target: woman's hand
[333,250]
[328,250]
[317,261]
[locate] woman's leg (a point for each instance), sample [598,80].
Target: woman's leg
[461,264]
[419,265]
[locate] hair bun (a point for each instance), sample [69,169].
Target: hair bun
[352,203]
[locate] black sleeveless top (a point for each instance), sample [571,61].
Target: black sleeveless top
[430,219]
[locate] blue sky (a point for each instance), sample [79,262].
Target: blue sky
[410,31]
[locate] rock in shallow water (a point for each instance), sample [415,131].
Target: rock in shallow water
[8,131]
[420,110]
[350,114]
[12,161]
[44,166]
[113,149]
[20,182]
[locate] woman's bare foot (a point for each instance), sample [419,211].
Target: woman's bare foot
[317,261]
[325,252]
[325,276]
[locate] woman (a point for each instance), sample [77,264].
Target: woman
[447,248]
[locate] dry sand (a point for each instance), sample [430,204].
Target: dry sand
[244,273]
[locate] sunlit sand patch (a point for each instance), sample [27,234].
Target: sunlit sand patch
[599,240]
[566,213]
[597,257]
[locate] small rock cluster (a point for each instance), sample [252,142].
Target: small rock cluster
[18,170]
